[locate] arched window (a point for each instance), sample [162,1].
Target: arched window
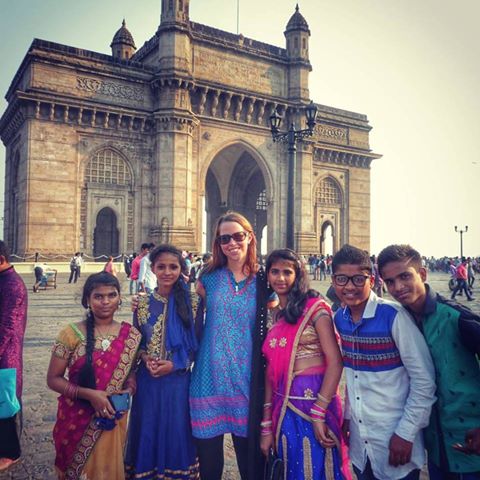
[108,167]
[328,192]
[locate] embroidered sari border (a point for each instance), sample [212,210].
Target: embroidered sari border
[192,473]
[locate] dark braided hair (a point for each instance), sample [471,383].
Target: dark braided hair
[300,291]
[178,290]
[87,374]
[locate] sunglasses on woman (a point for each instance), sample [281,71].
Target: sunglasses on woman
[357,280]
[237,236]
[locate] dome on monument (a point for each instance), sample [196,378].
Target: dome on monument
[297,21]
[123,36]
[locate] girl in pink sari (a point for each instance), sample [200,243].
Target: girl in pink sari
[302,412]
[98,353]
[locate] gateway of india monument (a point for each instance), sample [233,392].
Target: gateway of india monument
[104,152]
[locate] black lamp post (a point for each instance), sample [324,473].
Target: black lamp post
[461,232]
[291,138]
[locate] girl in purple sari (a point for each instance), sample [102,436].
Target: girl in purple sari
[302,412]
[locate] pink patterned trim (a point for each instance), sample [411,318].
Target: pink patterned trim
[219,419]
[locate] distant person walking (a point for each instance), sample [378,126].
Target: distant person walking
[13,320]
[74,268]
[462,277]
[470,273]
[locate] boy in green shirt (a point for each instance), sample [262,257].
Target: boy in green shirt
[452,333]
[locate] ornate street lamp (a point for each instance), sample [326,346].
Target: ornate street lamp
[461,232]
[291,138]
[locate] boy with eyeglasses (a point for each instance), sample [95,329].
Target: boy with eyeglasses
[389,375]
[452,332]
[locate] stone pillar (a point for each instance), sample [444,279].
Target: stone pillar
[176,199]
[306,238]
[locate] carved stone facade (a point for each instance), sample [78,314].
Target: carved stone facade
[106,152]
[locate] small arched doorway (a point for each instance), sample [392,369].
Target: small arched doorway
[105,235]
[326,238]
[329,215]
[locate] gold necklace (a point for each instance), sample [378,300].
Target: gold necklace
[105,343]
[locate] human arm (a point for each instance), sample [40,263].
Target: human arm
[266,439]
[200,289]
[469,329]
[12,320]
[417,361]
[347,415]
[333,372]
[58,383]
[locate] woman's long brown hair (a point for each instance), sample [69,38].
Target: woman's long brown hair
[218,257]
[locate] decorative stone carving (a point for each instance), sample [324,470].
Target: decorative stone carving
[215,102]
[109,89]
[250,105]
[332,134]
[238,108]
[228,101]
[261,111]
[201,104]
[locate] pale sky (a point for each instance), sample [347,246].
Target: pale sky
[412,66]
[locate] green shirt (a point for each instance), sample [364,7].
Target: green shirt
[457,372]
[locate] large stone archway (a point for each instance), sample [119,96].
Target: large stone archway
[235,181]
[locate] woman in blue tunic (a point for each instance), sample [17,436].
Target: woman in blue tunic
[160,443]
[227,379]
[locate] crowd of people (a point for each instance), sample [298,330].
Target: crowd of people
[223,345]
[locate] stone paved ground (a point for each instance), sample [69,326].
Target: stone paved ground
[49,311]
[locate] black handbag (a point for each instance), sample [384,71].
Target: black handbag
[274,467]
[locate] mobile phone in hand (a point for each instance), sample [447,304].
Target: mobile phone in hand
[120,401]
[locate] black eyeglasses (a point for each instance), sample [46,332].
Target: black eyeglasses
[237,236]
[357,280]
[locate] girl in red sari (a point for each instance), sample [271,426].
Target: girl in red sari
[98,354]
[302,414]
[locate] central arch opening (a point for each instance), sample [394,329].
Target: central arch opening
[235,181]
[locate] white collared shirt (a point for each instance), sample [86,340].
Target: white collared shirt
[390,385]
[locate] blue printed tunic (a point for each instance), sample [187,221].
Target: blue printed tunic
[220,386]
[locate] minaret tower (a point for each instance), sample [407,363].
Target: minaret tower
[297,36]
[122,45]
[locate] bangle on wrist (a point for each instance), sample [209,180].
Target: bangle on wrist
[323,399]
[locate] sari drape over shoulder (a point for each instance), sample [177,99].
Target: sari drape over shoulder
[83,450]
[293,394]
